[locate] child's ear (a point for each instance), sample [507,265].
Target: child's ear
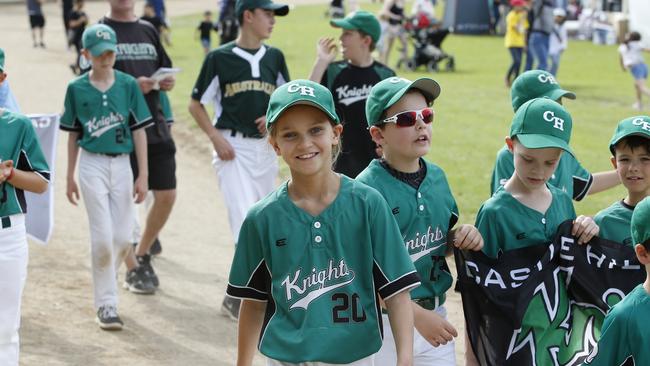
[509,143]
[274,144]
[614,164]
[3,76]
[642,254]
[337,129]
[377,135]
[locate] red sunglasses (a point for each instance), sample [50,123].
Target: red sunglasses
[408,118]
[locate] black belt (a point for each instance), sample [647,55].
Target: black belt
[111,155]
[6,222]
[234,133]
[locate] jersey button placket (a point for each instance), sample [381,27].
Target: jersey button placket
[420,204]
[104,101]
[317,235]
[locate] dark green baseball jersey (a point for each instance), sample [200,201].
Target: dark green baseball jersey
[625,332]
[569,175]
[239,83]
[321,276]
[614,222]
[506,223]
[424,216]
[105,119]
[19,143]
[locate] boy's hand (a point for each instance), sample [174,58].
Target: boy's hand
[140,188]
[167,83]
[326,49]
[467,237]
[5,169]
[222,147]
[434,328]
[72,191]
[261,124]
[584,228]
[146,84]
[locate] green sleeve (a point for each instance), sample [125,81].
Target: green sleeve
[35,159]
[249,275]
[613,346]
[68,120]
[138,107]
[486,223]
[503,169]
[393,270]
[206,76]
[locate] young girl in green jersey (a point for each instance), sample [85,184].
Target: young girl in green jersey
[315,257]
[400,117]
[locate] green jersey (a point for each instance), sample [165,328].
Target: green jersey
[105,119]
[614,223]
[19,143]
[569,175]
[624,332]
[322,276]
[425,216]
[239,83]
[507,224]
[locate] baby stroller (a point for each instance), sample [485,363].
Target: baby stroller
[427,38]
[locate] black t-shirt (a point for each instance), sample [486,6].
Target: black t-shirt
[350,85]
[205,28]
[78,30]
[155,21]
[140,53]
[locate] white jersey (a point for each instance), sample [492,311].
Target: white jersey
[632,53]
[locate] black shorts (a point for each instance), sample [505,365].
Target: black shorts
[162,165]
[37,21]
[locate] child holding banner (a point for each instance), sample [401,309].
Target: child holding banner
[22,168]
[630,147]
[626,326]
[400,117]
[105,113]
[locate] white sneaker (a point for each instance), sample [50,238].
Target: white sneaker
[108,319]
[637,106]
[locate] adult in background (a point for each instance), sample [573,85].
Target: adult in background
[66,10]
[140,54]
[559,40]
[228,24]
[515,38]
[541,28]
[77,25]
[36,21]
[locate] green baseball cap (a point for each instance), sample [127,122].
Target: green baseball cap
[641,222]
[2,60]
[360,20]
[633,126]
[99,38]
[278,9]
[388,91]
[304,92]
[542,123]
[536,84]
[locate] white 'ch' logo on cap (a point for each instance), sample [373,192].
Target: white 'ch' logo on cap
[304,90]
[545,78]
[103,34]
[557,121]
[641,122]
[396,80]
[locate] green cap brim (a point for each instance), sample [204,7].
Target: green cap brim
[539,141]
[613,143]
[102,47]
[277,114]
[342,23]
[426,85]
[278,9]
[556,94]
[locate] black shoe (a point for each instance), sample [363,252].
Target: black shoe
[156,248]
[42,45]
[108,319]
[230,307]
[145,263]
[138,282]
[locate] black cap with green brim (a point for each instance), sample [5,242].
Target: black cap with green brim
[300,92]
[641,222]
[542,123]
[536,84]
[278,9]
[388,91]
[360,21]
[633,126]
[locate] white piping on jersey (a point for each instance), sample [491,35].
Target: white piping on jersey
[213,95]
[274,312]
[416,284]
[253,60]
[280,80]
[586,189]
[31,168]
[138,123]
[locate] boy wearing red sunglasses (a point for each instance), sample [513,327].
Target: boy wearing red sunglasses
[400,117]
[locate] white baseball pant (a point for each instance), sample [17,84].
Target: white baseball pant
[107,189]
[13,272]
[424,354]
[246,179]
[367,361]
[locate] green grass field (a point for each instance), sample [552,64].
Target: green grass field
[473,112]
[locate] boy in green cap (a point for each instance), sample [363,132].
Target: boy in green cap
[569,176]
[238,79]
[400,119]
[350,81]
[630,147]
[23,167]
[625,329]
[105,113]
[315,257]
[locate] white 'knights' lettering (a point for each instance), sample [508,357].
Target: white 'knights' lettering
[347,95]
[417,247]
[317,281]
[557,121]
[96,127]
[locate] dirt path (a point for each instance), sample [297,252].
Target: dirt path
[181,324]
